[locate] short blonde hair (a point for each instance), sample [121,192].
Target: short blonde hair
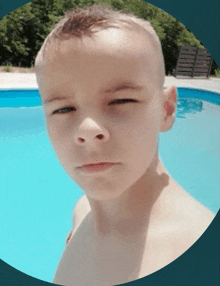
[82,21]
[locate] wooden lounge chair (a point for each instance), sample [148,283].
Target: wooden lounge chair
[193,61]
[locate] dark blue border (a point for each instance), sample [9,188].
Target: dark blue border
[200,264]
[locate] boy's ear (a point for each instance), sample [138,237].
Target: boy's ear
[169,108]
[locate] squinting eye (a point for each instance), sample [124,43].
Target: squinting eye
[117,101]
[121,101]
[63,110]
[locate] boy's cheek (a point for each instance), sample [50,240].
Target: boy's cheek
[56,137]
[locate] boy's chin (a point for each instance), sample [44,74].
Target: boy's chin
[102,195]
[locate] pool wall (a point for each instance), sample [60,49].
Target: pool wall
[31,97]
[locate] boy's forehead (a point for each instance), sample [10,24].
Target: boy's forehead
[115,41]
[103,49]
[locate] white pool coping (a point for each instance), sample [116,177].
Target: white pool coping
[28,80]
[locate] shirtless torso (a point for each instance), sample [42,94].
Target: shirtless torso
[116,259]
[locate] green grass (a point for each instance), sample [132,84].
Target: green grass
[11,68]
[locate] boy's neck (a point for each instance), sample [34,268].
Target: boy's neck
[130,214]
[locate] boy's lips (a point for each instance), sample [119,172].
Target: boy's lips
[97,166]
[99,163]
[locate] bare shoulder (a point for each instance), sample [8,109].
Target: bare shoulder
[82,205]
[195,218]
[82,208]
[201,217]
[185,220]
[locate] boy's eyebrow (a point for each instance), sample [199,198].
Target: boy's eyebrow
[123,86]
[55,98]
[119,87]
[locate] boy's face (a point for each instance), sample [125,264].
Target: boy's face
[78,78]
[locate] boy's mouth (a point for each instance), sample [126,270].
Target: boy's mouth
[97,166]
[99,163]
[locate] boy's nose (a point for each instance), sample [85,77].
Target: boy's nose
[91,133]
[100,137]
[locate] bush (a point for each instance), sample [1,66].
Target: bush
[7,69]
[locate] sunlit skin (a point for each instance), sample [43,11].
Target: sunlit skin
[87,123]
[85,75]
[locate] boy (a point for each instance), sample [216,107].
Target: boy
[101,74]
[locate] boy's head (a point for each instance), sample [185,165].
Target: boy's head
[86,22]
[100,74]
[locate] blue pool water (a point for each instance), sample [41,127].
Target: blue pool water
[37,197]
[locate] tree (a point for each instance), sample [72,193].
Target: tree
[23,31]
[14,40]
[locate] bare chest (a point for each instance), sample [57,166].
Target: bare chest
[87,261]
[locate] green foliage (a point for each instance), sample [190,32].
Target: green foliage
[215,69]
[7,68]
[217,73]
[23,31]
[14,39]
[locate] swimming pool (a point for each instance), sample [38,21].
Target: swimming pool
[38,197]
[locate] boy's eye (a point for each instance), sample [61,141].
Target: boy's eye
[69,109]
[63,110]
[122,101]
